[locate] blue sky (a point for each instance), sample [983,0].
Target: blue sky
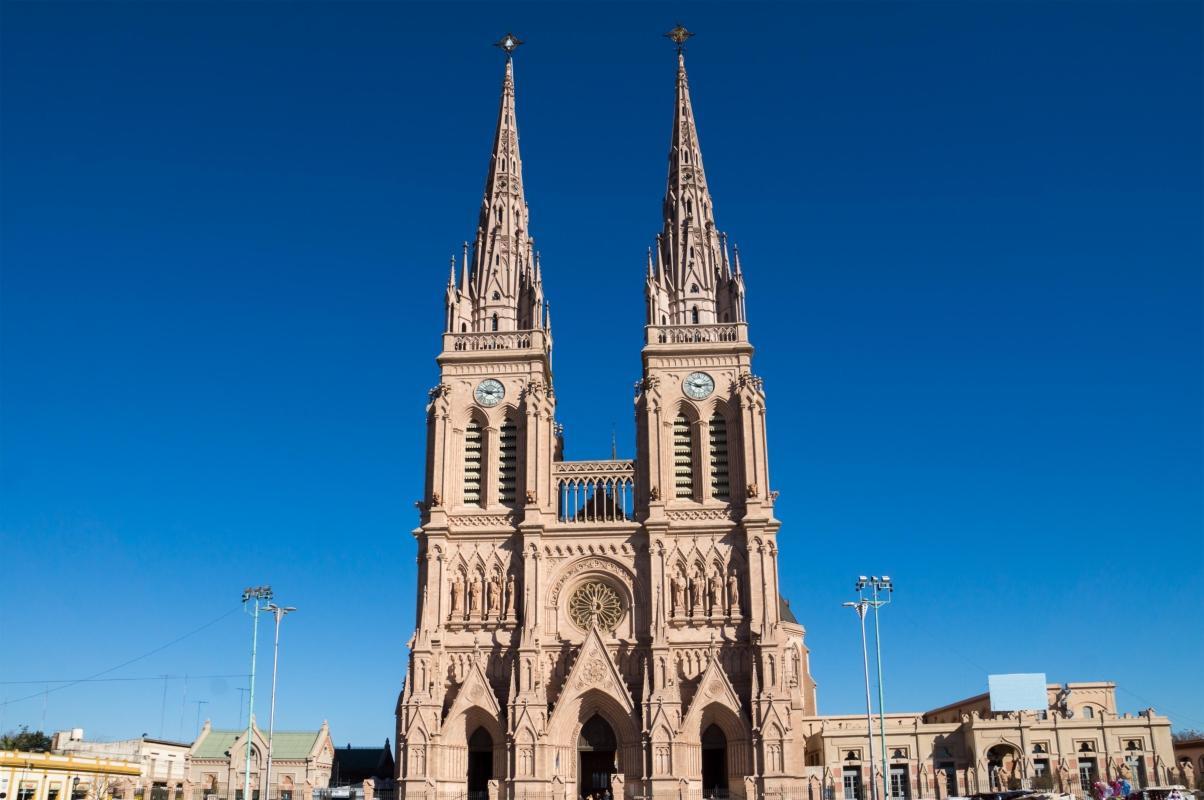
[972,241]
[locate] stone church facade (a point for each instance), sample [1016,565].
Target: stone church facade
[599,625]
[616,626]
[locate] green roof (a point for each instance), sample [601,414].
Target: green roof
[285,744]
[216,743]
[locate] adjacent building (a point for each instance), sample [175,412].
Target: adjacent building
[66,776]
[615,625]
[163,762]
[217,763]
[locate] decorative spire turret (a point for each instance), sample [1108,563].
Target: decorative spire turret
[501,289]
[693,281]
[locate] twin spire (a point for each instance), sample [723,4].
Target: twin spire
[499,287]
[691,280]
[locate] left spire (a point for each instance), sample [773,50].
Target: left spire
[503,290]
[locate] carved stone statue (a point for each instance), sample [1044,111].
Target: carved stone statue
[530,496]
[733,595]
[510,594]
[654,494]
[457,595]
[436,500]
[474,598]
[1189,774]
[495,594]
[716,598]
[700,593]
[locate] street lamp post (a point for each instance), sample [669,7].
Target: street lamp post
[265,788]
[252,594]
[861,606]
[876,585]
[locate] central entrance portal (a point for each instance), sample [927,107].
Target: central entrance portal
[714,762]
[480,764]
[595,757]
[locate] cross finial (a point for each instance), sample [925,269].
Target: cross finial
[509,43]
[679,35]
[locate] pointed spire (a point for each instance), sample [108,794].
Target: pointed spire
[501,284]
[694,283]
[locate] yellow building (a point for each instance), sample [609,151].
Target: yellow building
[46,776]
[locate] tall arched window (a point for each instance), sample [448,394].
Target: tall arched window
[495,322]
[472,464]
[507,463]
[683,458]
[694,315]
[721,487]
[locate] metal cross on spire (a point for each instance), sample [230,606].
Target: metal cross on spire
[679,35]
[509,43]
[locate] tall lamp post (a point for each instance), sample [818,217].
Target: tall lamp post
[265,789]
[861,606]
[877,587]
[252,594]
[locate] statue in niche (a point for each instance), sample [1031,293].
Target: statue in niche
[510,594]
[678,589]
[733,595]
[495,594]
[457,595]
[700,593]
[716,598]
[474,598]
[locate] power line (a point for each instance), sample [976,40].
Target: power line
[105,680]
[148,654]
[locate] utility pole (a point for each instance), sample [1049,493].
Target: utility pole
[265,786]
[861,606]
[253,595]
[876,585]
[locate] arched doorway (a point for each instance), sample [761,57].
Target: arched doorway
[480,764]
[1003,767]
[595,756]
[714,762]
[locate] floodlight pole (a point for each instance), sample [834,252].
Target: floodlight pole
[860,607]
[265,785]
[875,585]
[255,594]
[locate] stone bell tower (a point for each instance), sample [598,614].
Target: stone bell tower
[491,440]
[703,477]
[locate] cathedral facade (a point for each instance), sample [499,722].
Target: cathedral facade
[614,626]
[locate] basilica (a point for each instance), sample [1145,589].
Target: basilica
[615,627]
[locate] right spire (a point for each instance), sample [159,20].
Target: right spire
[691,280]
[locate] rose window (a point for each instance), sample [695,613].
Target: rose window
[595,603]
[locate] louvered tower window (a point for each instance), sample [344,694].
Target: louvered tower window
[683,458]
[721,487]
[472,464]
[508,463]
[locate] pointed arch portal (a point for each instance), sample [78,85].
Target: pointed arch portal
[596,746]
[714,762]
[480,763]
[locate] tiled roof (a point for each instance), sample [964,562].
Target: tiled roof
[285,744]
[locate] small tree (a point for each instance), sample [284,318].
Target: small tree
[25,739]
[1187,734]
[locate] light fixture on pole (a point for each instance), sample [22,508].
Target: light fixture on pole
[861,606]
[252,594]
[265,786]
[879,585]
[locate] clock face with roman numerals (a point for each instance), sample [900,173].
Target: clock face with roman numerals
[698,385]
[489,393]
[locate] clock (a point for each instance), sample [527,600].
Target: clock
[489,393]
[698,385]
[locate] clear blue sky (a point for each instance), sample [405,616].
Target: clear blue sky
[972,240]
